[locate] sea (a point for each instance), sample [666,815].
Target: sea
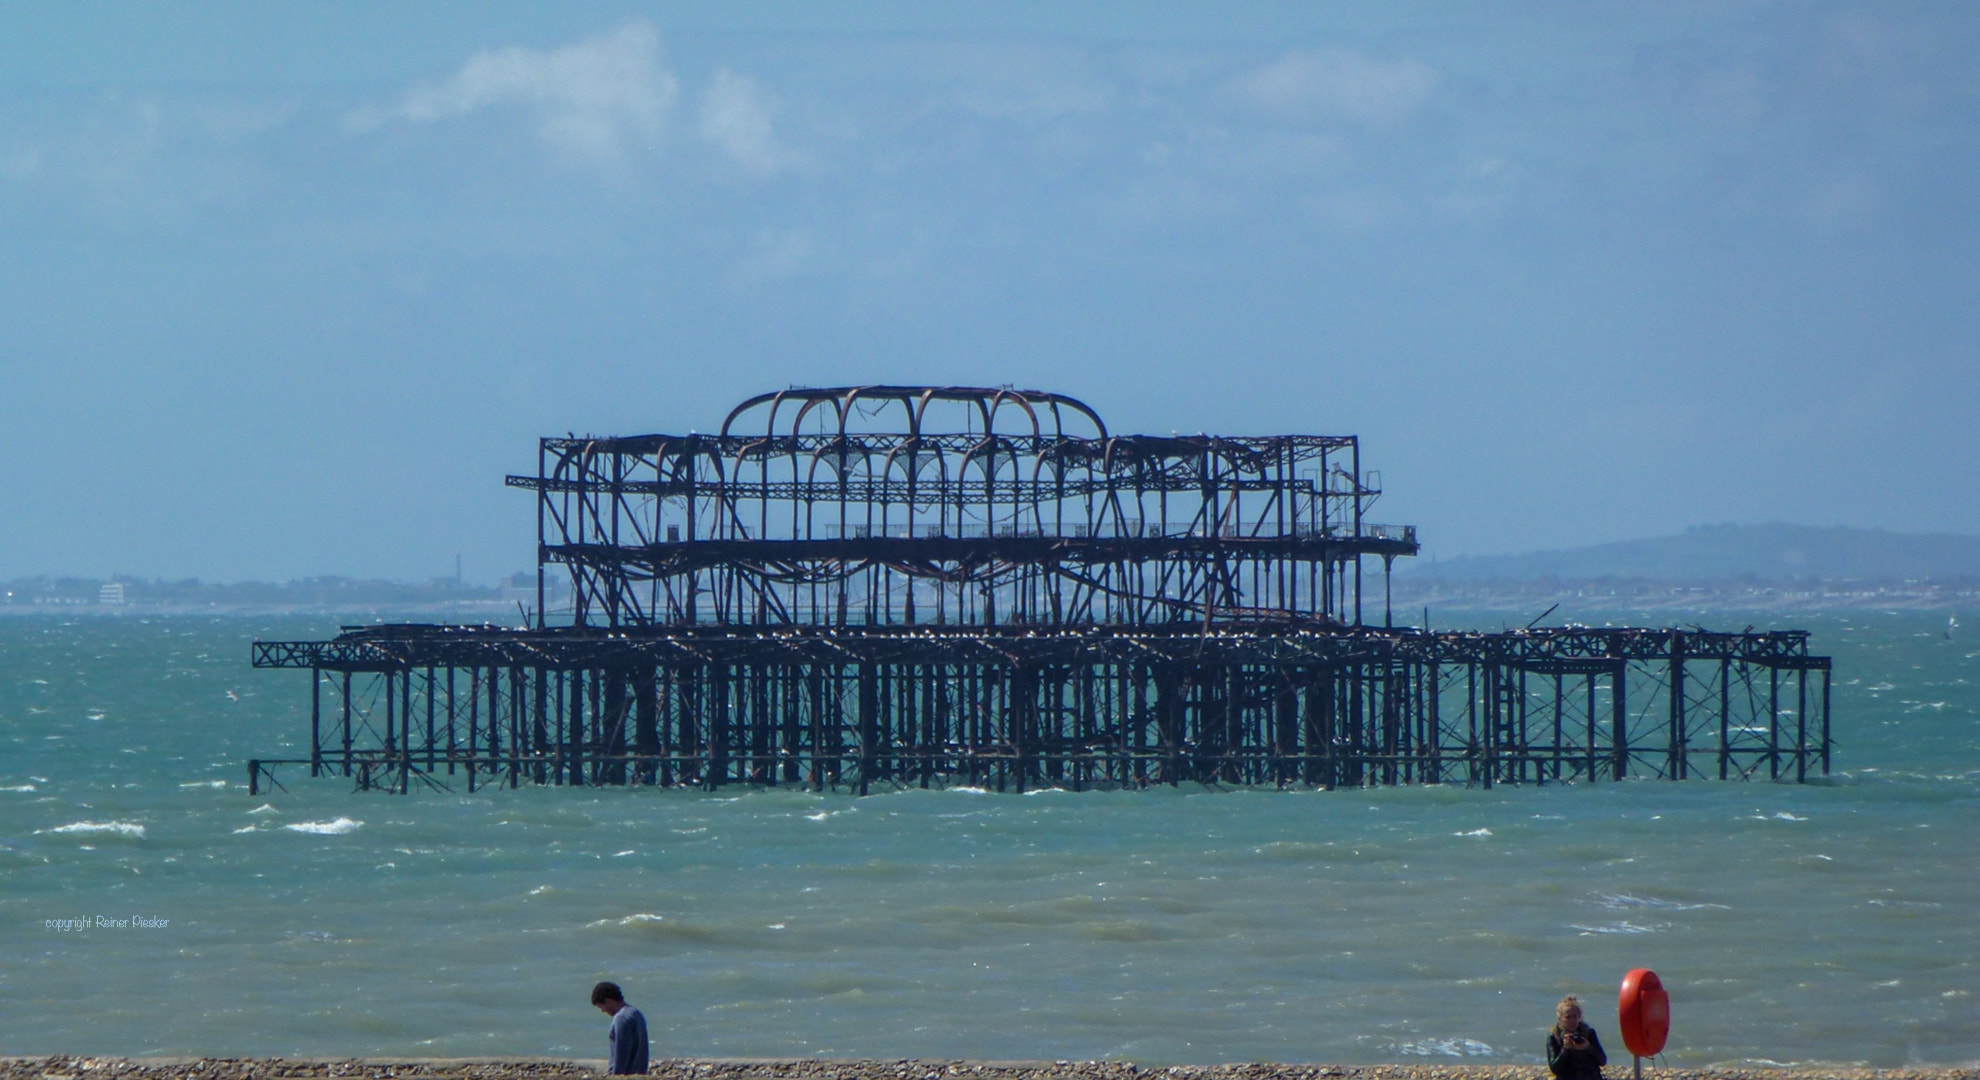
[149,905]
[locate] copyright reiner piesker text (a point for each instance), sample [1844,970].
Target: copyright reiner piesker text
[105,922]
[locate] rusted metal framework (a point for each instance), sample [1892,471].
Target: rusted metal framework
[922,586]
[908,505]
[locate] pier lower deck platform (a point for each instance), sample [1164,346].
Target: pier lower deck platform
[859,708]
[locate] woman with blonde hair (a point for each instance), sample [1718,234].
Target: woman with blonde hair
[1573,1051]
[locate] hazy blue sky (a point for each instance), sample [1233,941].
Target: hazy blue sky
[286,289]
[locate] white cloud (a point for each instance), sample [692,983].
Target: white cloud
[739,116]
[591,99]
[1339,83]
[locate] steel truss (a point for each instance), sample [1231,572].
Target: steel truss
[888,505]
[1016,599]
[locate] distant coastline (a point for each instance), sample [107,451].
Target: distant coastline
[1664,595]
[450,601]
[447,599]
[1756,568]
[1774,552]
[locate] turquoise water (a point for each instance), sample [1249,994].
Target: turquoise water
[1830,923]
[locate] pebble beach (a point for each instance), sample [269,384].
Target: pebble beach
[90,1068]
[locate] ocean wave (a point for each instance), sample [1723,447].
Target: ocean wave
[325,828]
[1296,850]
[13,856]
[1131,931]
[630,920]
[1445,1048]
[1840,778]
[653,927]
[1623,901]
[114,828]
[1621,928]
[19,787]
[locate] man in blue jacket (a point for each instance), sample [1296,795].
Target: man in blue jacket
[627,1038]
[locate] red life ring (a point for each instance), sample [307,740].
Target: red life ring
[1644,1013]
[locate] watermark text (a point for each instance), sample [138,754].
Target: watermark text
[105,922]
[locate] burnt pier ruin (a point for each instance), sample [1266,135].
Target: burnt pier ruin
[886,586]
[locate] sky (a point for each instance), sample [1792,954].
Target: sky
[286,290]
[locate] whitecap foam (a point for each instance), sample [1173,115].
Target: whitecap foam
[1445,1048]
[1625,900]
[205,784]
[630,920]
[1474,832]
[18,787]
[115,828]
[325,828]
[264,808]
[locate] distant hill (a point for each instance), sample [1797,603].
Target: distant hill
[317,594]
[1775,552]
